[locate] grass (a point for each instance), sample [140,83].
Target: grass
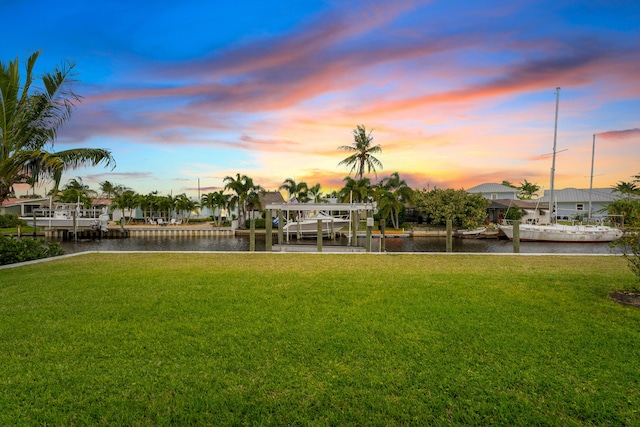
[293,339]
[26,231]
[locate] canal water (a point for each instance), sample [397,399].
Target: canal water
[409,244]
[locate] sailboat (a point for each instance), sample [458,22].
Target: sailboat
[555,232]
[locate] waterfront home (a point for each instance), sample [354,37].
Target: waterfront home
[494,191]
[23,206]
[573,203]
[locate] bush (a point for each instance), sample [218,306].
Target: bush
[10,221]
[631,252]
[260,223]
[26,249]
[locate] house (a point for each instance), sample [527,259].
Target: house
[266,198]
[573,203]
[23,207]
[494,191]
[535,212]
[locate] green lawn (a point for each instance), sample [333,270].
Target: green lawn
[303,339]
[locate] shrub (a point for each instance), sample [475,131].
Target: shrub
[18,250]
[260,223]
[631,252]
[10,221]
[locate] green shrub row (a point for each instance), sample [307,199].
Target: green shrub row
[10,221]
[26,249]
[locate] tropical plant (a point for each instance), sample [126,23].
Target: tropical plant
[125,200]
[29,123]
[356,190]
[527,190]
[508,184]
[217,202]
[186,206]
[108,189]
[394,194]
[76,191]
[244,191]
[315,194]
[463,208]
[362,153]
[26,249]
[626,189]
[296,191]
[623,211]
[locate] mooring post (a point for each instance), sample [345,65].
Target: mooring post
[449,235]
[34,223]
[319,235]
[252,235]
[280,225]
[369,230]
[354,228]
[516,237]
[268,237]
[383,223]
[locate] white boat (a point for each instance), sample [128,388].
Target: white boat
[557,232]
[309,225]
[471,232]
[564,233]
[70,216]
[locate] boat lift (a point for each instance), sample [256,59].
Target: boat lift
[359,208]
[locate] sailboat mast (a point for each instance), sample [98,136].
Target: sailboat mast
[553,162]
[593,153]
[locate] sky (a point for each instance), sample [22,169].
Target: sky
[456,93]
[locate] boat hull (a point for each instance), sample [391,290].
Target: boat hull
[564,233]
[310,227]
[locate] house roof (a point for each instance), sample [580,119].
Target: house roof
[14,201]
[577,195]
[269,197]
[492,188]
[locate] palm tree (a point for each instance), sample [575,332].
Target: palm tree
[295,191]
[185,206]
[363,151]
[626,189]
[29,122]
[314,194]
[356,190]
[216,201]
[77,191]
[245,190]
[108,189]
[125,200]
[395,193]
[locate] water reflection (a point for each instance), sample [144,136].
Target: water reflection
[411,244]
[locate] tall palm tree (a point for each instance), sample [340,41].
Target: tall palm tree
[362,153]
[29,123]
[244,191]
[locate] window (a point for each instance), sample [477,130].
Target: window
[494,196]
[579,206]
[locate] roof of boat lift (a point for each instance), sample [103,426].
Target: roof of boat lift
[351,207]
